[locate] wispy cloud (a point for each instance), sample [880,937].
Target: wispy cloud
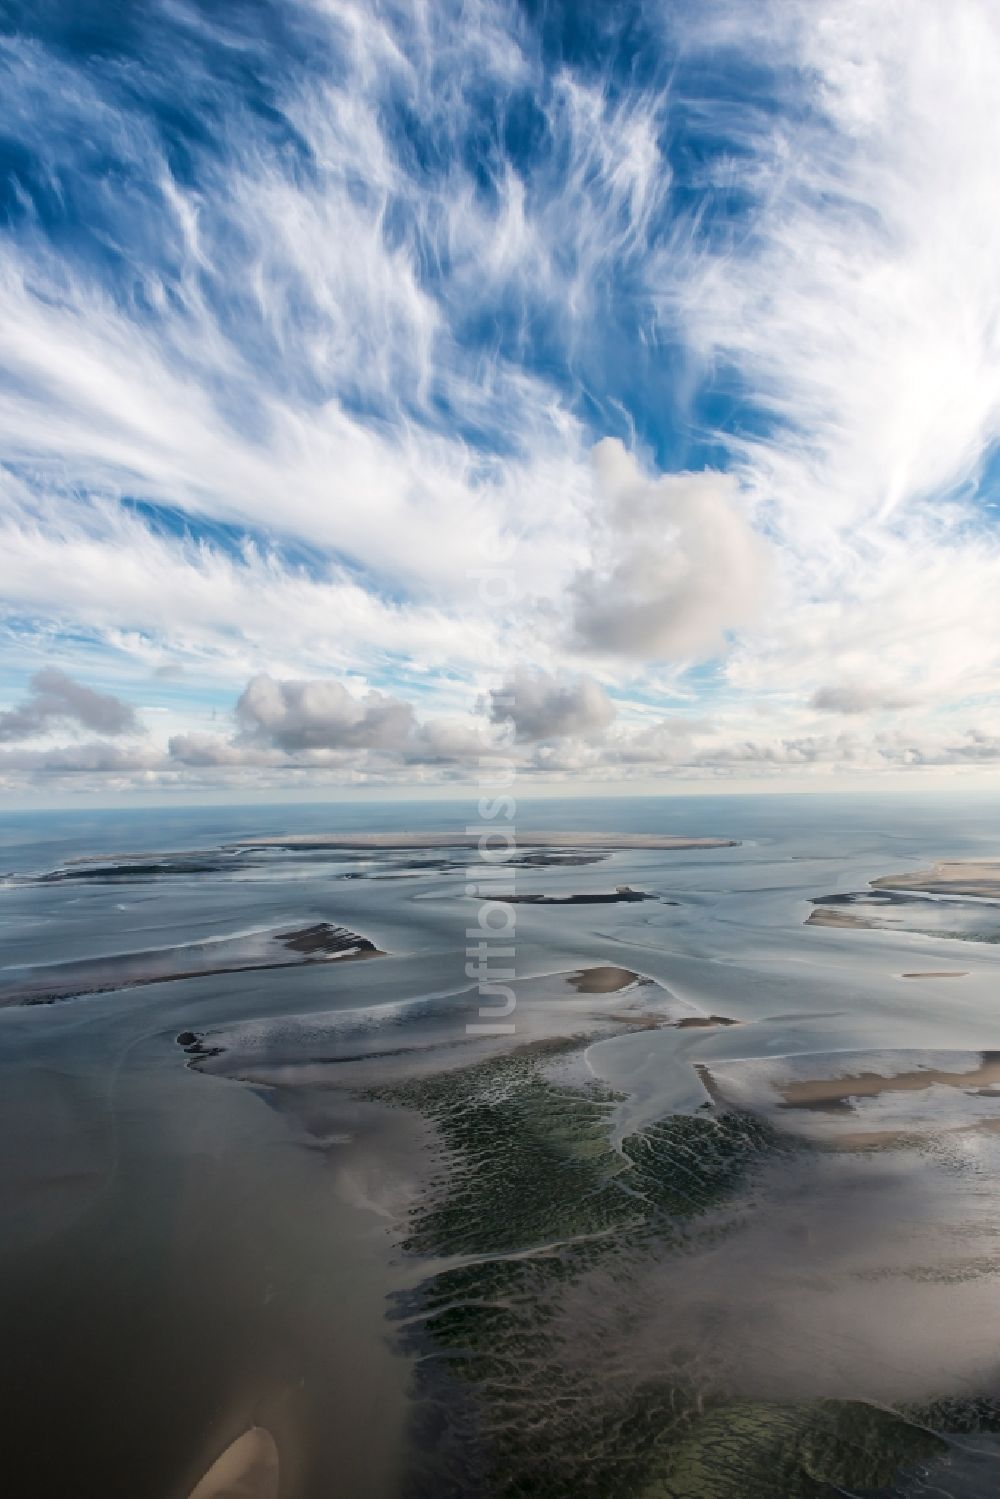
[855,308]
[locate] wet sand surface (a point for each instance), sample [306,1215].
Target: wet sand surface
[705,1020]
[715,1221]
[944,973]
[824,916]
[250,1468]
[605,979]
[621,896]
[836,1093]
[47,983]
[977,878]
[522,839]
[959,908]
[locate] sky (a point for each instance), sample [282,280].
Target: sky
[391,394]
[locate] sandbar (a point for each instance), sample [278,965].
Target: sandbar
[605,979]
[471,840]
[835,1094]
[697,1021]
[973,877]
[623,893]
[320,943]
[838,917]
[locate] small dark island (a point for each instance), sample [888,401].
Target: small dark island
[596,898]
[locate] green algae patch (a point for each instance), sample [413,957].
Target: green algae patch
[531,1198]
[966,1415]
[753,1450]
[528,1163]
[532,1204]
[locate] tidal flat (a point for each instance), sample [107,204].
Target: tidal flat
[715,1220]
[957,898]
[47,983]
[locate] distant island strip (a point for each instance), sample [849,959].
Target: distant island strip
[519,838]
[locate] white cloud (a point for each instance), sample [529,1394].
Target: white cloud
[285,349]
[859,308]
[319,723]
[94,564]
[542,706]
[857,698]
[676,563]
[204,751]
[74,759]
[304,715]
[57,701]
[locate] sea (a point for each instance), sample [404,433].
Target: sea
[255,1233]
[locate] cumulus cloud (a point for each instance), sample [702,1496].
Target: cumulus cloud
[543,706]
[56,700]
[207,751]
[91,758]
[856,698]
[677,563]
[448,741]
[977,746]
[305,715]
[319,723]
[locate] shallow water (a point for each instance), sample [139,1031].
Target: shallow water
[186,1255]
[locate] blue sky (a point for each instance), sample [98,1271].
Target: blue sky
[373,374]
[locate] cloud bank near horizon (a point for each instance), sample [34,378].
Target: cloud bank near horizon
[684,324]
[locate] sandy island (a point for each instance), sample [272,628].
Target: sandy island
[621,893]
[604,979]
[837,916]
[362,841]
[835,1094]
[698,1021]
[970,879]
[320,943]
[973,877]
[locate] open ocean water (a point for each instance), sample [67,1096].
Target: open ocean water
[607,1255]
